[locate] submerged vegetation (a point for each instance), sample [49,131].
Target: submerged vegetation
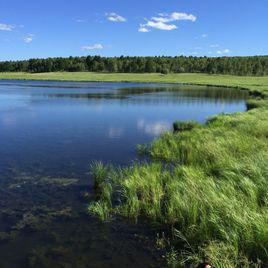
[207,186]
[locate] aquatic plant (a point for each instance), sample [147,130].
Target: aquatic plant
[99,173]
[100,209]
[103,177]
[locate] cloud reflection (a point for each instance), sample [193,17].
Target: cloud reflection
[152,128]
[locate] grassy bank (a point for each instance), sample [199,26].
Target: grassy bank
[208,185]
[251,83]
[212,188]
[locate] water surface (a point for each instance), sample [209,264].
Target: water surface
[49,134]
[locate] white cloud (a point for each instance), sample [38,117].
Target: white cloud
[93,47]
[162,21]
[204,35]
[198,48]
[6,27]
[28,39]
[224,51]
[161,25]
[143,29]
[115,17]
[175,16]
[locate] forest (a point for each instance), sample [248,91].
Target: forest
[253,66]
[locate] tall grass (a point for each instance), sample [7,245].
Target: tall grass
[103,187]
[210,183]
[184,126]
[214,191]
[99,173]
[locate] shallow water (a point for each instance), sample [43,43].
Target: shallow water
[49,134]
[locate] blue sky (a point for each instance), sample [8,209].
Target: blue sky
[30,29]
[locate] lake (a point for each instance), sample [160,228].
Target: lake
[50,132]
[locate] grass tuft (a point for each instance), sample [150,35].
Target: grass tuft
[100,209]
[99,173]
[184,126]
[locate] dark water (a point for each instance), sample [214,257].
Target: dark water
[49,134]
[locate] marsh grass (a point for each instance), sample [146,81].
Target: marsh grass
[99,173]
[100,209]
[102,176]
[184,125]
[256,103]
[143,149]
[218,254]
[210,183]
[215,193]
[256,84]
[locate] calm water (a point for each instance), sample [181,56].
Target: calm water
[49,134]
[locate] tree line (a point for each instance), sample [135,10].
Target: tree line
[254,65]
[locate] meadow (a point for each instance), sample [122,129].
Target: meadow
[252,83]
[206,185]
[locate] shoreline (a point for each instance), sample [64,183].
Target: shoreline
[257,86]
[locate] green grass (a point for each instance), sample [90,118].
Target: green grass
[253,83]
[99,173]
[184,126]
[209,184]
[214,191]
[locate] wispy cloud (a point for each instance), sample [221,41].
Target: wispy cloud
[115,17]
[204,35]
[93,47]
[224,51]
[161,25]
[6,27]
[28,39]
[165,21]
[214,45]
[175,16]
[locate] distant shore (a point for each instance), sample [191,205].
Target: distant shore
[252,83]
